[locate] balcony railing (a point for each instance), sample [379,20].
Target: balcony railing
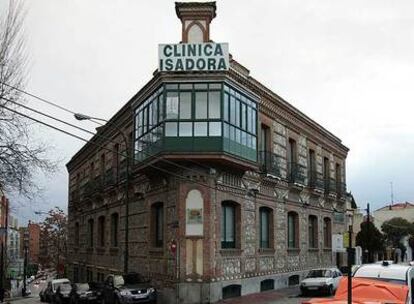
[296,173]
[110,178]
[330,185]
[315,180]
[269,163]
[340,189]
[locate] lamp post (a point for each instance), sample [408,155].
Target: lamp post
[26,245]
[80,116]
[349,257]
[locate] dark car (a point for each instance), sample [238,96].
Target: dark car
[62,294]
[128,289]
[83,293]
[97,287]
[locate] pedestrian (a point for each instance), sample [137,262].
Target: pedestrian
[1,295]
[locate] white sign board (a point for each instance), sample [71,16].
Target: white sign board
[193,57]
[338,243]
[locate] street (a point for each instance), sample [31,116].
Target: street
[285,296]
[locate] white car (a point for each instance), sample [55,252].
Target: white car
[322,280]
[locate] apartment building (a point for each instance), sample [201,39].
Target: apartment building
[206,181]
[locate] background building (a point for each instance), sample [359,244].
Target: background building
[33,232]
[231,190]
[403,210]
[15,262]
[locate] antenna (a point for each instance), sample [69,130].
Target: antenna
[392,194]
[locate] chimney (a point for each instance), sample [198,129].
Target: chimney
[195,18]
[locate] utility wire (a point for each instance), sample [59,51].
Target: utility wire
[44,100]
[72,112]
[105,148]
[95,134]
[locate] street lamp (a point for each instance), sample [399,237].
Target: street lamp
[80,116]
[350,255]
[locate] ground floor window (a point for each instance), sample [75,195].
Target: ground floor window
[228,225]
[231,291]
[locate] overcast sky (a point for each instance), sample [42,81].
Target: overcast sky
[349,65]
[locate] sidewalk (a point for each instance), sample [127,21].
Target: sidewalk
[263,297]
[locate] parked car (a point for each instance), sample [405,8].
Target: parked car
[62,294]
[130,288]
[375,284]
[97,287]
[322,280]
[84,293]
[52,286]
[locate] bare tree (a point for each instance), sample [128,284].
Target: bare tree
[20,157]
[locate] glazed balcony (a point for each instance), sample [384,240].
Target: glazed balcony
[200,121]
[269,163]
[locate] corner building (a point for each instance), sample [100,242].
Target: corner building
[231,189]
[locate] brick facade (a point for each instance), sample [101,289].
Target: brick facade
[201,268]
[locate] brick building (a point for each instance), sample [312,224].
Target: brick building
[248,188]
[33,233]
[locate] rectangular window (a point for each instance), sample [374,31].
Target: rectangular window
[200,129]
[226,105]
[185,105]
[186,129]
[214,129]
[170,129]
[292,242]
[114,229]
[228,226]
[201,105]
[237,114]
[154,112]
[313,231]
[172,105]
[243,116]
[232,110]
[161,108]
[159,226]
[214,104]
[264,228]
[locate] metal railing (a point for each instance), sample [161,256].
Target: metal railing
[269,163]
[315,180]
[296,173]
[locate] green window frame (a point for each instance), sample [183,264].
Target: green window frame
[228,225]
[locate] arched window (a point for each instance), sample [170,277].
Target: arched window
[90,232]
[157,215]
[293,230]
[266,224]
[313,231]
[101,231]
[229,233]
[327,232]
[114,229]
[195,34]
[76,234]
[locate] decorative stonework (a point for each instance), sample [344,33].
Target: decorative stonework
[230,266]
[281,194]
[250,265]
[305,198]
[266,263]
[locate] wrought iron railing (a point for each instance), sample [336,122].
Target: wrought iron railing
[269,163]
[315,180]
[296,173]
